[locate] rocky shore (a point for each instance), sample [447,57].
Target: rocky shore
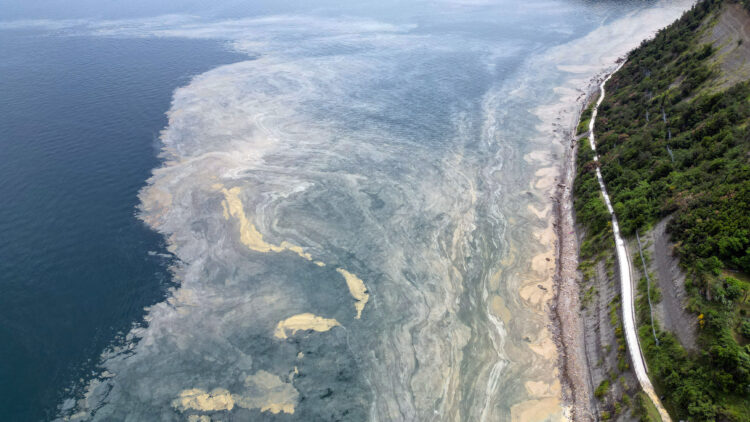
[584,333]
[582,307]
[566,305]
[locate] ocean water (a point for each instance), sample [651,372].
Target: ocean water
[79,123]
[351,214]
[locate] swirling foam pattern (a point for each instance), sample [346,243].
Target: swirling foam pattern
[361,215]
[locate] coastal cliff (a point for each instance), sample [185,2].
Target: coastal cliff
[673,146]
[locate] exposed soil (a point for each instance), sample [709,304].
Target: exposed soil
[730,34]
[601,343]
[574,366]
[664,267]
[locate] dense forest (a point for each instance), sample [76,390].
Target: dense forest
[674,143]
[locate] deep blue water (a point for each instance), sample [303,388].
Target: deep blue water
[79,119]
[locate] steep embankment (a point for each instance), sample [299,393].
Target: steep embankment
[626,279]
[674,140]
[669,296]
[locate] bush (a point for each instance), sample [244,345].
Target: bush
[602,389]
[745,328]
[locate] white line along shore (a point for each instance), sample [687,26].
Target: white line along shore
[626,277]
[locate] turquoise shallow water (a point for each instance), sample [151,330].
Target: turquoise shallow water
[345,202]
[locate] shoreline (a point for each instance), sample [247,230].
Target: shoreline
[571,328]
[567,321]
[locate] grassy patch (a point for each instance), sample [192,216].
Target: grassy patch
[645,409]
[583,122]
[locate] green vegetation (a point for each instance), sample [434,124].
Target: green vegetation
[602,389]
[670,144]
[614,319]
[585,119]
[645,408]
[591,211]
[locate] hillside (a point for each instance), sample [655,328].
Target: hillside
[674,142]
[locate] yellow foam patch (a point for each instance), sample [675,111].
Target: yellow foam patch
[267,392]
[357,289]
[306,321]
[225,209]
[253,239]
[249,235]
[197,399]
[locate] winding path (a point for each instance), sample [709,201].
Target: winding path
[626,278]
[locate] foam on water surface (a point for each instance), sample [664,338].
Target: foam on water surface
[362,218]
